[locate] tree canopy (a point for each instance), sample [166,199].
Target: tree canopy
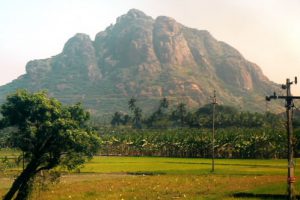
[49,134]
[180,115]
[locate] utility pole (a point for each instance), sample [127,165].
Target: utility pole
[214,102]
[289,104]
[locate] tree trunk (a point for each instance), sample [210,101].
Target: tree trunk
[25,190]
[22,180]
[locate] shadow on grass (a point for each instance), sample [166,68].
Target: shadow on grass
[146,173]
[262,196]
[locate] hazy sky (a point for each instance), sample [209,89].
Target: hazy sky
[266,32]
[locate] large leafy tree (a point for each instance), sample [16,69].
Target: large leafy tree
[48,133]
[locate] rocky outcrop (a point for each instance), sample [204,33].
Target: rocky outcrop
[150,59]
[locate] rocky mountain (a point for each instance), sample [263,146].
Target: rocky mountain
[149,59]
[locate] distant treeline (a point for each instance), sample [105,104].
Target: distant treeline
[181,116]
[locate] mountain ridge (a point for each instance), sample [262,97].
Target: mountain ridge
[149,59]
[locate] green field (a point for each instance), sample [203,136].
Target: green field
[162,178]
[183,166]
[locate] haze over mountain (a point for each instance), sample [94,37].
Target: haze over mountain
[149,59]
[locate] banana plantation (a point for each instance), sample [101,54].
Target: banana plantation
[179,132]
[187,142]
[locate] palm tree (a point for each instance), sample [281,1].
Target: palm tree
[180,113]
[137,118]
[131,104]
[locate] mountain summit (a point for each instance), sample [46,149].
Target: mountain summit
[149,59]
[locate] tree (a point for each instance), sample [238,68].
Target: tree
[164,103]
[126,119]
[116,119]
[48,133]
[159,118]
[131,104]
[120,118]
[179,114]
[137,117]
[137,113]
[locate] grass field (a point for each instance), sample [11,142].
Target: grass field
[163,178]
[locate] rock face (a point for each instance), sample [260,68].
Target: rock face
[149,59]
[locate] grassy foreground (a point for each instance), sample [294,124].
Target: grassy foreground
[164,178]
